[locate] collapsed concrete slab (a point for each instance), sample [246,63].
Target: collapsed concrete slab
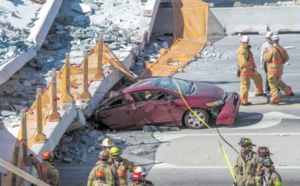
[39,27]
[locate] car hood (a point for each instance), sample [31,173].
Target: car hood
[205,90]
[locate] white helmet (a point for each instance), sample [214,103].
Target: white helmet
[269,34]
[107,142]
[244,39]
[142,170]
[275,38]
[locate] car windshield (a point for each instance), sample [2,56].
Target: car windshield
[167,83]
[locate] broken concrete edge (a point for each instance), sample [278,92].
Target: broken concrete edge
[54,132]
[98,89]
[37,35]
[41,27]
[7,70]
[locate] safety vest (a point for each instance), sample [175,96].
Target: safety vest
[245,61]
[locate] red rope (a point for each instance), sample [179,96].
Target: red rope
[90,83]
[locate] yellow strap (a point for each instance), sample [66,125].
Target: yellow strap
[222,148]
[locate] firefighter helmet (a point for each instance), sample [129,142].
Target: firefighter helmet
[142,170]
[47,155]
[136,176]
[107,142]
[100,174]
[267,162]
[275,38]
[103,155]
[269,34]
[263,151]
[244,39]
[114,151]
[246,142]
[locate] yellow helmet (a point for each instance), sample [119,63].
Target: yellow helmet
[107,142]
[114,151]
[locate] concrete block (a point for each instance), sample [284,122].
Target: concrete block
[81,8]
[148,11]
[80,122]
[151,128]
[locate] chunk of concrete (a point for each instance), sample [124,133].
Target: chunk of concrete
[80,122]
[151,128]
[81,8]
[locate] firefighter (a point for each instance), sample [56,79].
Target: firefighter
[137,179]
[100,179]
[262,152]
[107,144]
[46,169]
[276,57]
[246,164]
[248,71]
[121,164]
[103,173]
[263,64]
[270,177]
[144,173]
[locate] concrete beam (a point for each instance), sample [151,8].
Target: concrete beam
[258,19]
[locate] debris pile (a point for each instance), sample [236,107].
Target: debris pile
[74,30]
[77,146]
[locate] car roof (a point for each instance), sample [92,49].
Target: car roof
[144,84]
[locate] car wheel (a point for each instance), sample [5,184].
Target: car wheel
[192,121]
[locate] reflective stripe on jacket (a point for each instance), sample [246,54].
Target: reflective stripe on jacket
[276,57]
[274,179]
[245,60]
[123,167]
[245,171]
[46,171]
[111,177]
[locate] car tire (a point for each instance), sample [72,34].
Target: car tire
[192,122]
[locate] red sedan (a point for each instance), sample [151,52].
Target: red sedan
[157,101]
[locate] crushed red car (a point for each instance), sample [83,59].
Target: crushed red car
[157,101]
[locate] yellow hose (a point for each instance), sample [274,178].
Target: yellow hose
[221,146]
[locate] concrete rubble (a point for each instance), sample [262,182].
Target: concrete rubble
[74,31]
[13,37]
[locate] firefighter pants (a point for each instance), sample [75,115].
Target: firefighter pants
[267,87]
[276,83]
[245,85]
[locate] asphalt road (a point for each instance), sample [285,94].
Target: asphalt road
[194,157]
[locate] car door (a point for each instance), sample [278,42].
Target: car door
[168,109]
[156,107]
[118,113]
[143,108]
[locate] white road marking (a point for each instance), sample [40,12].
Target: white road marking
[167,136]
[268,120]
[171,166]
